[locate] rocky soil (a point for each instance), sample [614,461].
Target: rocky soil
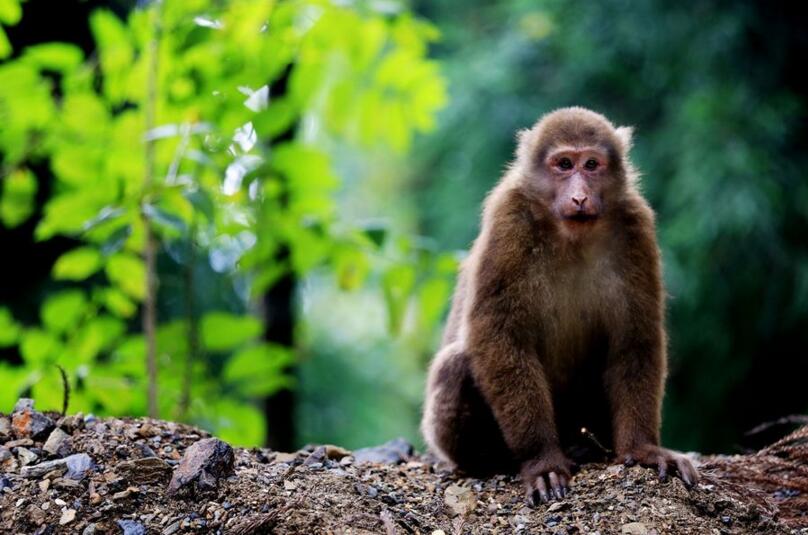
[79,474]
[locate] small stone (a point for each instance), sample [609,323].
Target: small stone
[289,485]
[335,453]
[44,485]
[316,457]
[558,506]
[25,442]
[147,430]
[68,516]
[125,493]
[7,461]
[203,464]
[438,532]
[171,529]
[58,443]
[149,470]
[90,530]
[26,456]
[28,423]
[72,423]
[95,498]
[60,502]
[62,483]
[461,500]
[5,483]
[5,427]
[394,451]
[130,527]
[346,461]
[77,466]
[634,528]
[287,458]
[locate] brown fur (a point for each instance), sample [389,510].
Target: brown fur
[555,326]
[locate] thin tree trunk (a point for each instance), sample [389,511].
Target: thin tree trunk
[150,248]
[193,328]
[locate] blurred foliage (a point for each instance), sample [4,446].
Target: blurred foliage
[721,141]
[225,199]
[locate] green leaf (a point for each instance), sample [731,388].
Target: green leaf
[13,381]
[9,329]
[19,192]
[115,50]
[128,273]
[259,370]
[5,44]
[397,283]
[37,346]
[60,57]
[238,423]
[10,12]
[77,264]
[223,331]
[63,311]
[118,303]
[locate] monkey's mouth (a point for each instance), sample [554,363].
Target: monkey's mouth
[581,217]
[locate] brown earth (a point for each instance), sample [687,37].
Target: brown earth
[331,490]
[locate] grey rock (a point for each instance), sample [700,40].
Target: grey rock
[394,451]
[144,471]
[130,527]
[26,422]
[58,443]
[77,467]
[26,456]
[5,483]
[5,427]
[203,464]
[24,404]
[91,529]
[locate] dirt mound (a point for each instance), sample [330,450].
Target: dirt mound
[135,476]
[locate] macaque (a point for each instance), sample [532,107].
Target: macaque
[557,321]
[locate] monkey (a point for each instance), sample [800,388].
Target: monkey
[557,320]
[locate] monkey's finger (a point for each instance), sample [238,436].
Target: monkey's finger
[541,486]
[629,461]
[556,485]
[663,468]
[564,485]
[686,470]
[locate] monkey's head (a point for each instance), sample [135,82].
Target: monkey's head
[576,162]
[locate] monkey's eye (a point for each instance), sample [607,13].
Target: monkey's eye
[565,164]
[591,164]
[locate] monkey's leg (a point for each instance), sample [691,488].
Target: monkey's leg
[458,424]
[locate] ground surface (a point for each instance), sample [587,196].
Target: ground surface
[330,490]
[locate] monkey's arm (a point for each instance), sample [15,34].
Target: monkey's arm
[635,374]
[501,342]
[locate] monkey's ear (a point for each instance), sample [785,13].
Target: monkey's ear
[522,142]
[626,133]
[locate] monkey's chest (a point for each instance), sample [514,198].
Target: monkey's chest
[579,308]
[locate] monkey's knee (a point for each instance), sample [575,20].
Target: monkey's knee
[458,424]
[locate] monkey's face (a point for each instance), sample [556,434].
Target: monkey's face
[577,179]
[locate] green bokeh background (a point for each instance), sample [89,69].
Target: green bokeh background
[716,93]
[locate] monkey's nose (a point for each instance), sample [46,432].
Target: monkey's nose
[579,201]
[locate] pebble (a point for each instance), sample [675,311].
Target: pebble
[130,527]
[58,443]
[460,500]
[149,470]
[26,456]
[68,516]
[634,528]
[394,451]
[77,466]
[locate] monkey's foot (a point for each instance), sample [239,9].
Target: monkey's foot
[663,460]
[546,477]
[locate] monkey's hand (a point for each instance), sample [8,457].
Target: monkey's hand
[663,460]
[546,477]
